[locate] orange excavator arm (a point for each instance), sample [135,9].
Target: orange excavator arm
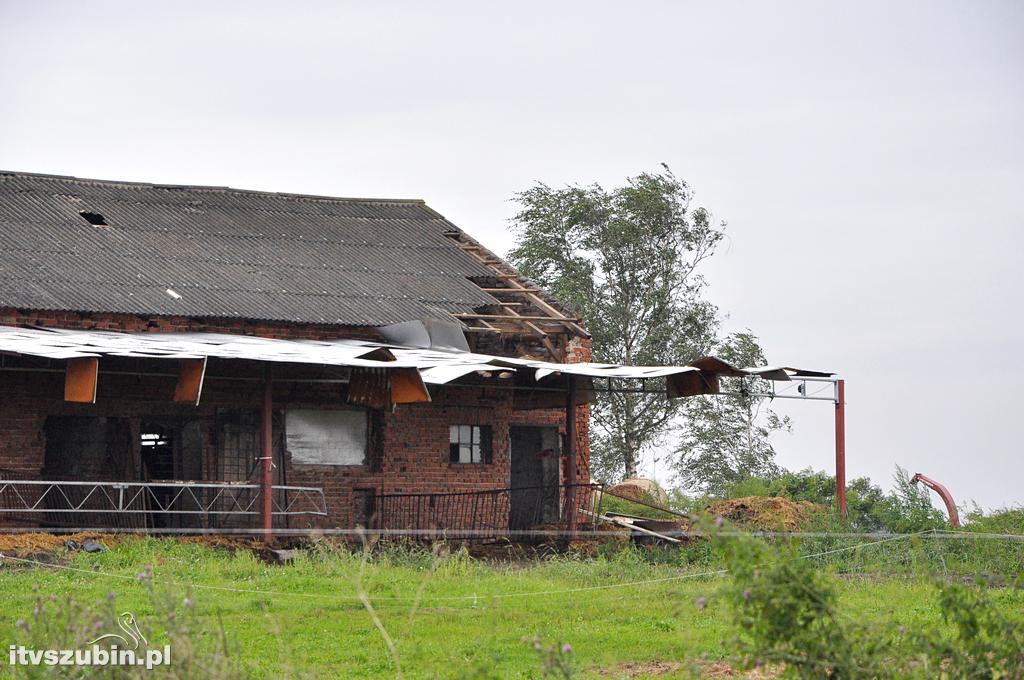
[954,518]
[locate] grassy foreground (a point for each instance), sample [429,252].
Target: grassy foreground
[448,615]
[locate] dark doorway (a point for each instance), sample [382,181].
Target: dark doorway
[535,453]
[171,451]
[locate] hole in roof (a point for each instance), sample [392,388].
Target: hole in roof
[93,218]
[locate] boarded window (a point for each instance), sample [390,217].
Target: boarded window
[469,444]
[326,437]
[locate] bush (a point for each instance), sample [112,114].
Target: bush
[907,509]
[786,608]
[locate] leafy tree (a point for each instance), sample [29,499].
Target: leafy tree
[627,260]
[727,439]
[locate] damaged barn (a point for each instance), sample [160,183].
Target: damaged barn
[181,358]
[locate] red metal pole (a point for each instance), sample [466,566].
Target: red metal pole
[841,447]
[267,453]
[570,453]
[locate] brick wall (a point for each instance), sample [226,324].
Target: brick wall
[413,439]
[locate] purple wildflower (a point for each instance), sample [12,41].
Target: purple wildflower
[701,602]
[566,648]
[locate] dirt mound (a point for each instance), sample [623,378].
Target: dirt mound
[766,513]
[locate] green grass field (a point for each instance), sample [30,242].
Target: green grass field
[448,615]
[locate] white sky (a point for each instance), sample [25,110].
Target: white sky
[868,157]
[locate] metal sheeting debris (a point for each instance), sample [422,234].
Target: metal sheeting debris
[69,344]
[436,366]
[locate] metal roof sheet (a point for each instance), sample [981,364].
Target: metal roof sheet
[437,366]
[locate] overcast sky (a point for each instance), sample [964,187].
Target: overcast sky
[868,158]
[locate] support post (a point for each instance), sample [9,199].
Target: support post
[841,447]
[267,456]
[570,453]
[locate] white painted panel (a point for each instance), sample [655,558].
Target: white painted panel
[326,437]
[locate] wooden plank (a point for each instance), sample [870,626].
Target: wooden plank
[190,380]
[518,318]
[511,290]
[80,380]
[573,324]
[633,527]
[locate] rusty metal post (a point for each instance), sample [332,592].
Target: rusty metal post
[267,456]
[947,498]
[570,453]
[841,447]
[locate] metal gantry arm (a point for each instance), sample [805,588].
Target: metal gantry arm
[838,398]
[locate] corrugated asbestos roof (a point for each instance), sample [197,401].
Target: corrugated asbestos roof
[228,253]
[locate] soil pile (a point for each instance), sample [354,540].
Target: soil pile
[771,513]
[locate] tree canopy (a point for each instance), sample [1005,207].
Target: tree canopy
[724,440]
[628,261]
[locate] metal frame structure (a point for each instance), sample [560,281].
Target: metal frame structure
[838,398]
[31,496]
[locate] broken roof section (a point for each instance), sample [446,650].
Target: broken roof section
[102,246]
[434,366]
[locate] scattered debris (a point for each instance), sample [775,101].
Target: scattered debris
[637,525]
[38,542]
[282,557]
[89,546]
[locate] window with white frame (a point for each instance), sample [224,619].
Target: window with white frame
[469,444]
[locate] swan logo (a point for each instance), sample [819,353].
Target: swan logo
[122,649]
[126,622]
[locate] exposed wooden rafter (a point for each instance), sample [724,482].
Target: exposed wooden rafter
[551,321]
